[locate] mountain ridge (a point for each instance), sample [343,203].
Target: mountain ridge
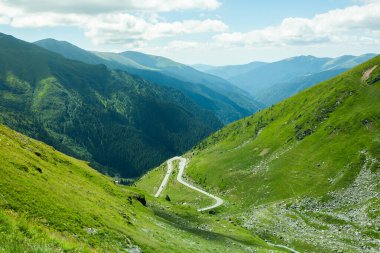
[210,92]
[263,79]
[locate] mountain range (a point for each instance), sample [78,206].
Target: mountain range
[210,92]
[272,82]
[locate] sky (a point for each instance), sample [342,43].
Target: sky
[214,32]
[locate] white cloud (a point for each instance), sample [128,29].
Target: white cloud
[124,28]
[181,45]
[135,23]
[178,45]
[351,23]
[101,6]
[4,20]
[46,20]
[115,27]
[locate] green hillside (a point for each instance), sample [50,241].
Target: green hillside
[122,123]
[50,202]
[303,173]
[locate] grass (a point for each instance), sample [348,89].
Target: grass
[50,202]
[311,156]
[19,234]
[292,166]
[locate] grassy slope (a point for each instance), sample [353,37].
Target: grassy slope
[306,171]
[50,202]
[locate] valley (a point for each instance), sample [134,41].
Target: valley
[285,179]
[189,126]
[51,202]
[280,180]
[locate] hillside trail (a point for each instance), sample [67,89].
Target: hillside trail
[219,201]
[368,73]
[182,166]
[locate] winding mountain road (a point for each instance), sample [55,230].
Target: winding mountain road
[166,178]
[219,201]
[182,165]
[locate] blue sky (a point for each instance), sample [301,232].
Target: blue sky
[216,32]
[244,15]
